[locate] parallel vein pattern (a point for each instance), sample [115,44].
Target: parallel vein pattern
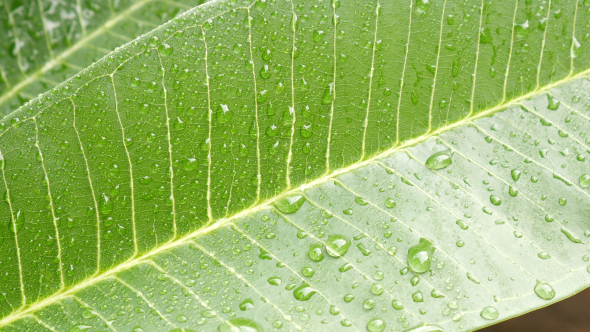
[139,192]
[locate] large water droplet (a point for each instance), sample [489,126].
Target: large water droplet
[585,180]
[571,236]
[553,102]
[337,245]
[290,204]
[419,256]
[304,292]
[489,313]
[376,325]
[544,290]
[439,160]
[240,325]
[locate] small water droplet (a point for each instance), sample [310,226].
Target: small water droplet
[585,180]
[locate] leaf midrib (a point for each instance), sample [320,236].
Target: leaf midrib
[175,242]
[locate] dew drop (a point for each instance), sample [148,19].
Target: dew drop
[304,292]
[553,102]
[223,114]
[544,290]
[290,204]
[165,49]
[376,325]
[390,203]
[337,245]
[315,252]
[489,313]
[439,160]
[585,180]
[495,200]
[417,297]
[419,256]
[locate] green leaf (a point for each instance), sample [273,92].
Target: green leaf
[44,43]
[306,166]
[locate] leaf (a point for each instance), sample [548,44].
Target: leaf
[45,43]
[249,166]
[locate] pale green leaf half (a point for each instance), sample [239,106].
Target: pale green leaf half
[42,43]
[139,193]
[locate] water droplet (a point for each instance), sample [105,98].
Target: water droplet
[553,102]
[247,304]
[308,271]
[345,267]
[390,203]
[419,256]
[397,305]
[240,325]
[275,281]
[544,290]
[304,292]
[495,200]
[106,205]
[439,160]
[417,297]
[223,114]
[290,204]
[265,72]
[376,325]
[415,280]
[165,49]
[315,252]
[571,236]
[377,289]
[543,255]
[327,96]
[489,313]
[369,304]
[515,174]
[436,294]
[337,245]
[391,251]
[585,180]
[318,35]
[18,222]
[361,201]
